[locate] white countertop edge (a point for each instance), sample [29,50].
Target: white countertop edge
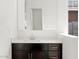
[67,35]
[36,41]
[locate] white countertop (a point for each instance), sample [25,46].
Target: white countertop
[67,35]
[35,41]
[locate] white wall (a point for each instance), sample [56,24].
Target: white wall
[21,15]
[8,24]
[62,16]
[37,35]
[49,12]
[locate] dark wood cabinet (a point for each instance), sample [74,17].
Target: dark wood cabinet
[36,51]
[55,51]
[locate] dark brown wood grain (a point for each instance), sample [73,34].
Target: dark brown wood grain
[36,51]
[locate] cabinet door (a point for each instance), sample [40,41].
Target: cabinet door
[19,51]
[40,53]
[37,55]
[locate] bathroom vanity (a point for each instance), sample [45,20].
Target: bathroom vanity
[36,50]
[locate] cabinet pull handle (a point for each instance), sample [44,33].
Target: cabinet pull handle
[53,57]
[55,47]
[29,55]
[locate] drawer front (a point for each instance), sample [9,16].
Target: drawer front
[53,57]
[55,47]
[54,53]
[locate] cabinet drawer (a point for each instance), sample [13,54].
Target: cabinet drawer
[54,53]
[55,47]
[53,57]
